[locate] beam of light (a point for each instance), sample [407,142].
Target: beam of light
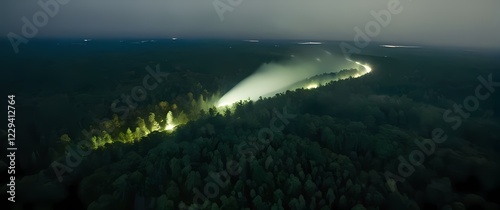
[368,69]
[273,78]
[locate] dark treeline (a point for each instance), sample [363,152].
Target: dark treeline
[347,145]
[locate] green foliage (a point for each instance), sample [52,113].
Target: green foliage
[141,124]
[129,136]
[106,137]
[152,120]
[316,161]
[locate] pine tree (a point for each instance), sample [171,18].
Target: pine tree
[154,125]
[227,113]
[170,124]
[201,102]
[142,126]
[182,118]
[193,103]
[137,134]
[106,137]
[212,111]
[129,136]
[99,141]
[95,143]
[122,137]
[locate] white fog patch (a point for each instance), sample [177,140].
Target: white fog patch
[274,77]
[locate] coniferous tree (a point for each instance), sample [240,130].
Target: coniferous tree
[106,137]
[95,143]
[142,126]
[121,137]
[154,125]
[137,134]
[129,136]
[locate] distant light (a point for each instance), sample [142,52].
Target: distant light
[398,46]
[87,40]
[174,38]
[310,43]
[318,59]
[251,40]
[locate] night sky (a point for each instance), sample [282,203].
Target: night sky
[444,22]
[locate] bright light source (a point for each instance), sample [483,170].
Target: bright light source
[170,124]
[169,127]
[312,86]
[368,68]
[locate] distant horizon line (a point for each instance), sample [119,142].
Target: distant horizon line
[384,44]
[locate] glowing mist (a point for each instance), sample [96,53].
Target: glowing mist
[272,78]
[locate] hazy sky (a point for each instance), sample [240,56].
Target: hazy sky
[435,22]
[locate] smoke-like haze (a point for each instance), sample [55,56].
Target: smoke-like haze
[272,78]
